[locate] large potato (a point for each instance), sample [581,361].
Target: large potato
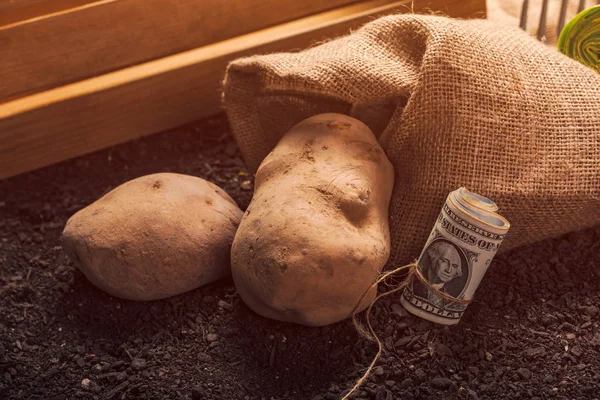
[315,235]
[154,237]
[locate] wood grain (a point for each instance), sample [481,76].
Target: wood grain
[12,11]
[104,36]
[82,117]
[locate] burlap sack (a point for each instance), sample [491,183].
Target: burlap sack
[454,103]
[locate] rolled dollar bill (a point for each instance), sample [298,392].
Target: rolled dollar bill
[580,38]
[458,252]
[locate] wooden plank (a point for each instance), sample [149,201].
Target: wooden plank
[12,11]
[79,118]
[15,4]
[107,35]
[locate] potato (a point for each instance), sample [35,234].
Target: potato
[154,237]
[316,234]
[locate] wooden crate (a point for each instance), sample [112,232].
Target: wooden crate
[78,79]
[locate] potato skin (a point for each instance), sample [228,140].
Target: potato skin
[316,233]
[154,237]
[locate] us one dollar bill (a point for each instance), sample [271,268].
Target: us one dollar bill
[458,252]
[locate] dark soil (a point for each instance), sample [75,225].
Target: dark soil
[532,331]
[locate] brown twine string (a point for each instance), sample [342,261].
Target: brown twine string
[370,333]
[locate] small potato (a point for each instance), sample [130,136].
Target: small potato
[316,234]
[154,237]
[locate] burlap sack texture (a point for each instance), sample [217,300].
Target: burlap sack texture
[454,103]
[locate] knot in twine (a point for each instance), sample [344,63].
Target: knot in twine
[413,271]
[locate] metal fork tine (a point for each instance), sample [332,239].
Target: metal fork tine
[581,6]
[523,23]
[562,17]
[542,27]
